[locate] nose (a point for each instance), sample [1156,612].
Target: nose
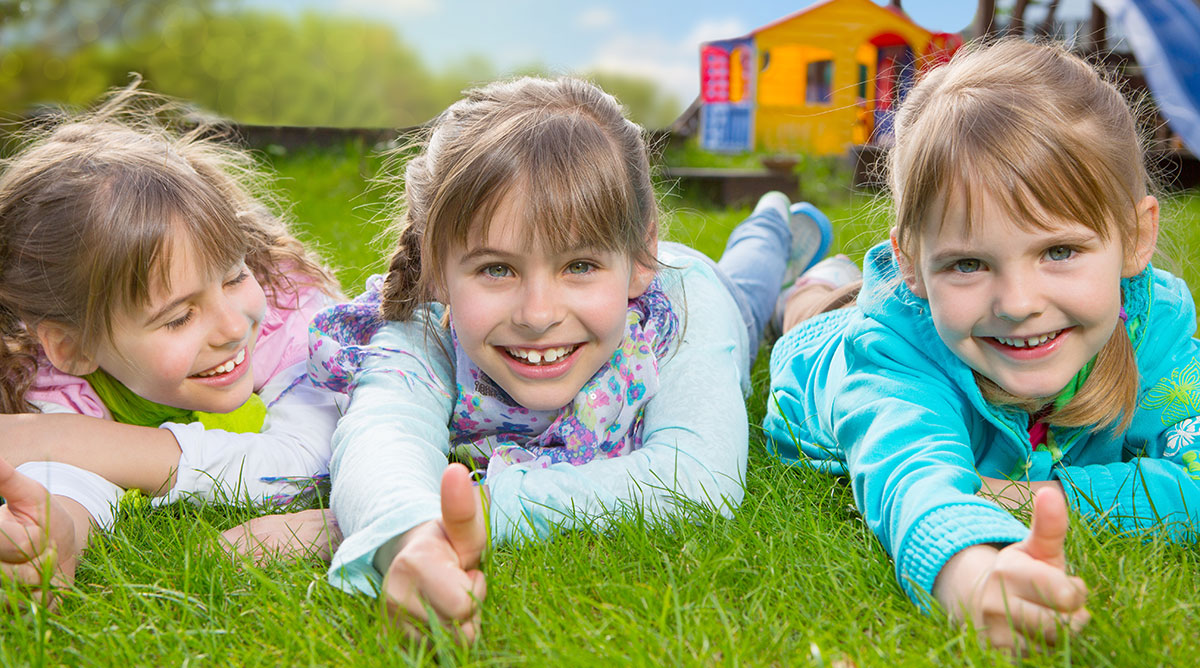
[541,305]
[1018,296]
[231,323]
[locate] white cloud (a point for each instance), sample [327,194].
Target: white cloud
[673,65]
[710,29]
[596,18]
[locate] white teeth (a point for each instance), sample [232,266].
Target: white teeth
[226,367]
[547,355]
[1031,342]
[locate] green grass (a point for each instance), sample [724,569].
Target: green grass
[795,578]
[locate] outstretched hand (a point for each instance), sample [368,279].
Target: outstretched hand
[39,544]
[436,569]
[1019,594]
[286,537]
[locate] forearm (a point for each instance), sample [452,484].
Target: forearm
[129,456]
[381,490]
[218,465]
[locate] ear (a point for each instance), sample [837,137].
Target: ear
[62,345]
[912,278]
[641,276]
[1147,237]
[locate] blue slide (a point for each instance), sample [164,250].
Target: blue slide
[1165,38]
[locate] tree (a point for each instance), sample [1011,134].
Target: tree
[985,19]
[1046,27]
[1016,23]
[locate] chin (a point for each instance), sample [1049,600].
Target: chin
[543,403]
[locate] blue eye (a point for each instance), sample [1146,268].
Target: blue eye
[496,271]
[1060,253]
[967,266]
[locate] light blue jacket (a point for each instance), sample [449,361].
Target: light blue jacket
[873,392]
[390,449]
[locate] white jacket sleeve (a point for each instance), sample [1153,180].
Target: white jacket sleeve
[216,465]
[389,450]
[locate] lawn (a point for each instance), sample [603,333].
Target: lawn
[795,578]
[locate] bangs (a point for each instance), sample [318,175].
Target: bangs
[568,206]
[573,182]
[146,211]
[981,149]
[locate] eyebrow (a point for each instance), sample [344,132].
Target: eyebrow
[487,251]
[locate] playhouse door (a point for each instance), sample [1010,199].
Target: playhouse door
[893,80]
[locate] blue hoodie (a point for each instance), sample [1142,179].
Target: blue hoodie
[872,392]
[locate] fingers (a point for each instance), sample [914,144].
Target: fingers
[425,584]
[284,537]
[1044,584]
[452,593]
[462,515]
[24,496]
[1024,620]
[1049,529]
[19,540]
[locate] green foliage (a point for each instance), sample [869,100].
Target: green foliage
[253,67]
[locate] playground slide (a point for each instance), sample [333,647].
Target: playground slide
[1165,38]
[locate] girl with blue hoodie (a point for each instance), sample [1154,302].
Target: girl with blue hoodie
[1011,343]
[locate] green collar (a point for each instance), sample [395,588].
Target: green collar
[129,408]
[1068,393]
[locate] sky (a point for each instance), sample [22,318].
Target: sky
[654,39]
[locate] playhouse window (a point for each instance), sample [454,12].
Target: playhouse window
[819,77]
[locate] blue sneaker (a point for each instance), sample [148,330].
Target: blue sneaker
[811,235]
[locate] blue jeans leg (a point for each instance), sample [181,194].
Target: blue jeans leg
[753,266]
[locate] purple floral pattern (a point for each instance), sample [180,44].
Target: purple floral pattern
[486,426]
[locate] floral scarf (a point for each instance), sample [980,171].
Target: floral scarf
[486,426]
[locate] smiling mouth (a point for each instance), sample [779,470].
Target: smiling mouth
[223,368]
[540,356]
[1030,342]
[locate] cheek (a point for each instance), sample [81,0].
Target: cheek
[171,360]
[151,367]
[472,316]
[254,300]
[608,318]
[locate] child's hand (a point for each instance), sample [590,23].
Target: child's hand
[38,537]
[437,564]
[287,536]
[1021,593]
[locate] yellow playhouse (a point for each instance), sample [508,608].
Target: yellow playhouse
[818,81]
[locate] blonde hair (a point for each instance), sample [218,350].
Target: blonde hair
[582,166]
[89,208]
[1040,130]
